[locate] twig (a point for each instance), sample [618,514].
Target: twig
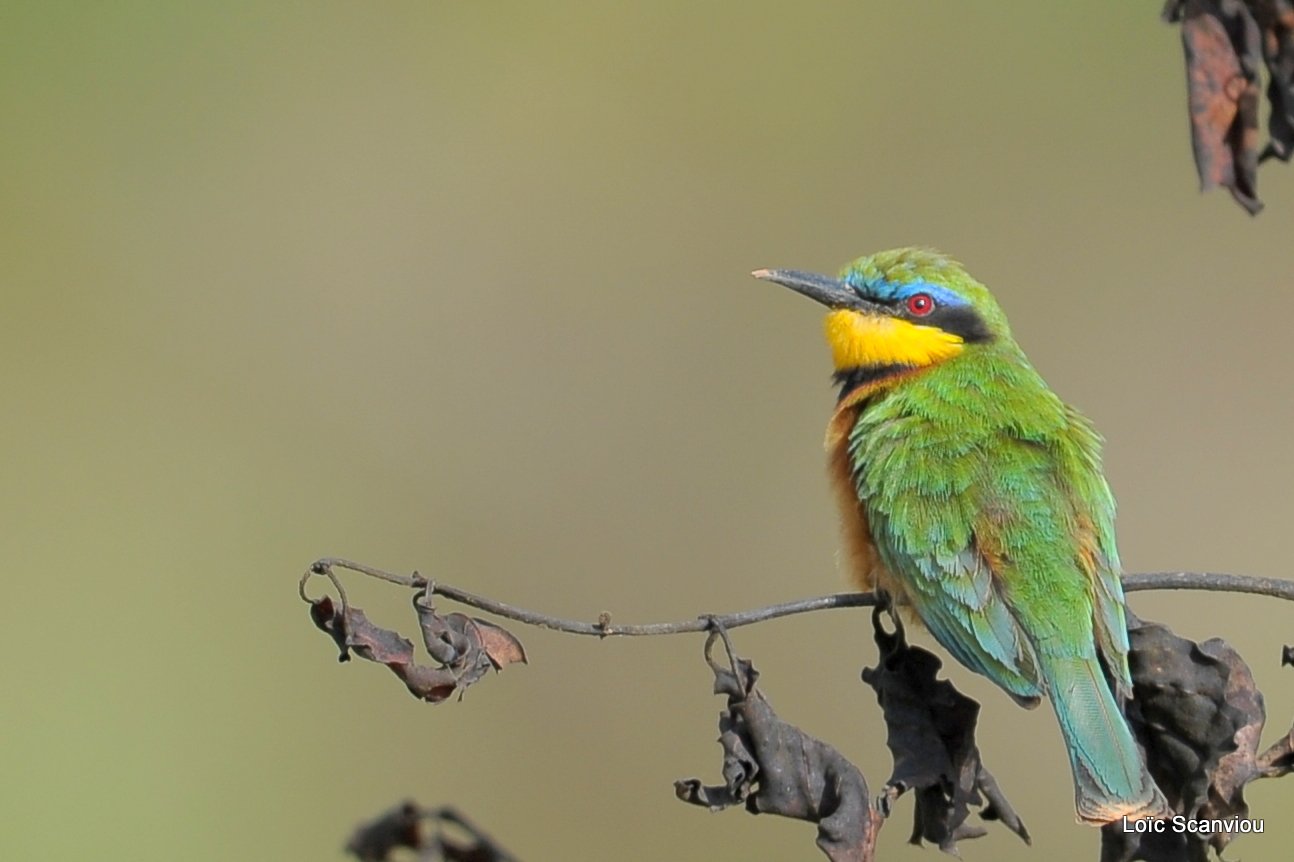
[1273,587]
[1276,588]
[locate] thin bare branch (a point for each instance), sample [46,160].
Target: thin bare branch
[1276,588]
[604,627]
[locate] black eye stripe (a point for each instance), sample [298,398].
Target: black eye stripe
[959,320]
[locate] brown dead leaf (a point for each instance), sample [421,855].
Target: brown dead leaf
[1199,714]
[465,648]
[351,630]
[377,839]
[1235,769]
[931,735]
[499,644]
[1220,39]
[1227,44]
[1276,22]
[409,826]
[469,647]
[1278,760]
[772,767]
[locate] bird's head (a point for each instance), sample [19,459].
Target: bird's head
[907,308]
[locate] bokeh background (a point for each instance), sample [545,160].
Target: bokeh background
[463,287]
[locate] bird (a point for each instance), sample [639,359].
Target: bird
[975,498]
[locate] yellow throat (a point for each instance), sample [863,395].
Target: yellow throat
[860,340]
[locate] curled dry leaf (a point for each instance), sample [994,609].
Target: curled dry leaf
[931,735]
[412,827]
[775,768]
[1226,43]
[1278,760]
[464,647]
[1199,714]
[352,632]
[377,839]
[1276,22]
[467,646]
[1221,44]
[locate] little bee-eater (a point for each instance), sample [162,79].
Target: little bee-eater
[974,496]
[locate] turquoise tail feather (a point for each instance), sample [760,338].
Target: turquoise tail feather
[1110,776]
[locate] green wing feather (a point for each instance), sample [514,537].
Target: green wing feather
[985,498]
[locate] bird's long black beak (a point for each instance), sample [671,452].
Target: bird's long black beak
[831,292]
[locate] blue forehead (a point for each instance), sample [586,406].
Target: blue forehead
[884,290]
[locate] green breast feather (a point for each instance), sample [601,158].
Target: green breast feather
[985,499]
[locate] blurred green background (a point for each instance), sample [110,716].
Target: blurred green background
[463,287]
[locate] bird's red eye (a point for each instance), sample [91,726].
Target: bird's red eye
[921,304]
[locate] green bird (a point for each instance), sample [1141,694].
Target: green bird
[974,496]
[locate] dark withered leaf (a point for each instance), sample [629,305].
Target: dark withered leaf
[353,632]
[1276,22]
[323,613]
[1235,768]
[409,826]
[1199,715]
[452,641]
[476,846]
[499,645]
[775,768]
[399,827]
[1180,711]
[465,648]
[444,637]
[1278,760]
[931,735]
[1226,43]
[432,684]
[1220,39]
[1239,767]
